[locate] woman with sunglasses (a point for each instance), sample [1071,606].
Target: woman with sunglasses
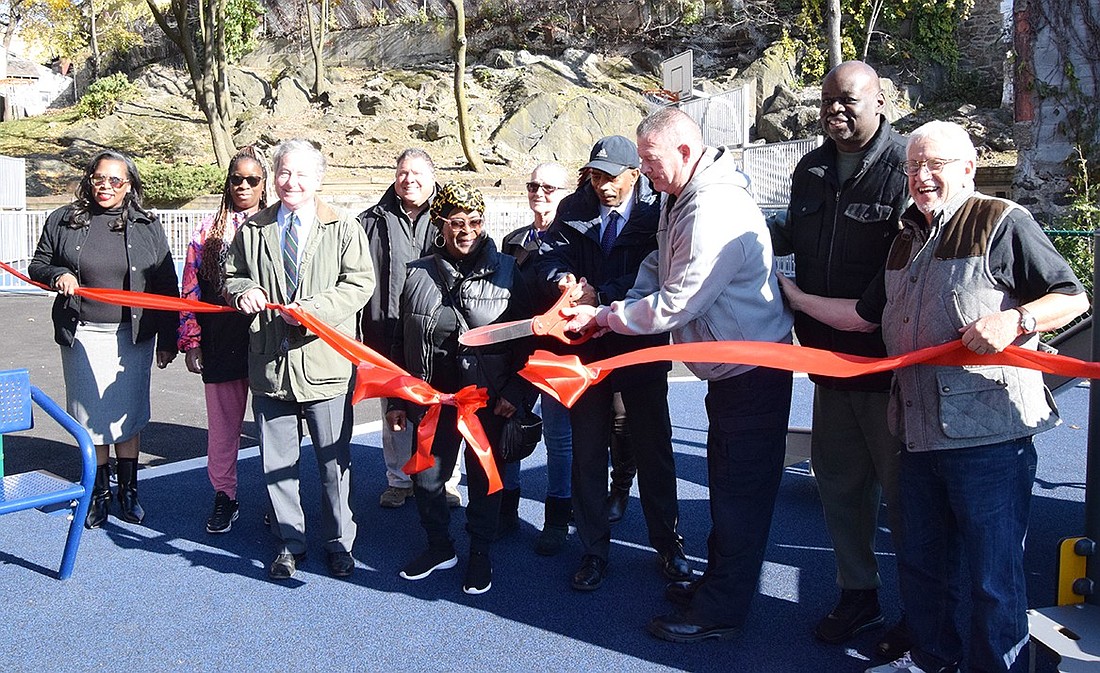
[465,283]
[106,239]
[215,345]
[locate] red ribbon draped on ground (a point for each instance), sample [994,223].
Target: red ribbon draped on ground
[375,375]
[566,378]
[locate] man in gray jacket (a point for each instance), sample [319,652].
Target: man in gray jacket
[300,253]
[712,279]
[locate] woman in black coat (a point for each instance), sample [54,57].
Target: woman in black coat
[106,239]
[465,283]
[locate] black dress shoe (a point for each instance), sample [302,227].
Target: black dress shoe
[340,563]
[616,504]
[681,593]
[284,566]
[679,628]
[590,575]
[674,563]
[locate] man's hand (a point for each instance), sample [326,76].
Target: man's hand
[397,420]
[287,317]
[252,301]
[66,284]
[165,357]
[587,296]
[583,320]
[193,360]
[991,333]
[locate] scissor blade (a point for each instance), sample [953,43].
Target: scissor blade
[491,334]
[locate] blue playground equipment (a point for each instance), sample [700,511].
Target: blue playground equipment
[40,489]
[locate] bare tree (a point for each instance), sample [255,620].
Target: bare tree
[198,29]
[318,34]
[472,157]
[832,32]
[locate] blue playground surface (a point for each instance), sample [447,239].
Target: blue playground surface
[167,596]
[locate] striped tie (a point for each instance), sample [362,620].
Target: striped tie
[290,255]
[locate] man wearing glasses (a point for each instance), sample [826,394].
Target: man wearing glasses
[399,231]
[980,268]
[846,198]
[602,234]
[300,253]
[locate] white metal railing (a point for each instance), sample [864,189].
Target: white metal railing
[19,233]
[13,183]
[770,167]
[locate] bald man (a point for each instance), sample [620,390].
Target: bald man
[846,198]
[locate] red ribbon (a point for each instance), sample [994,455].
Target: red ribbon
[378,377]
[566,378]
[375,375]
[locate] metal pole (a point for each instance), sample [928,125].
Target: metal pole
[1092,460]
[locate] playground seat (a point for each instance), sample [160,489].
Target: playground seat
[42,489]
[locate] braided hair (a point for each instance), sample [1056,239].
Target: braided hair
[215,249]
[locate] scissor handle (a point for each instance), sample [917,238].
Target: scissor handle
[552,323]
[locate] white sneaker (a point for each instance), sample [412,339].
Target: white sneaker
[903,664]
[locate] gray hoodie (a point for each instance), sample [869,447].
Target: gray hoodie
[712,277]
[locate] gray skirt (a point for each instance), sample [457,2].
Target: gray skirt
[107,381]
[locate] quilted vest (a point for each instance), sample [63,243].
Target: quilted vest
[937,281]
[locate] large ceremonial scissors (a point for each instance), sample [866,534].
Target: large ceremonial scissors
[552,323]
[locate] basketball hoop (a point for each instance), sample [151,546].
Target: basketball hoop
[659,98]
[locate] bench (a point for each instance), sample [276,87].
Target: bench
[41,489]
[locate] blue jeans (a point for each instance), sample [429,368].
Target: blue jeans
[967,506]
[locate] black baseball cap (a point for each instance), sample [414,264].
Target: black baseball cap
[613,155]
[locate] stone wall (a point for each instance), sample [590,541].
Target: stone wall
[984,44]
[1056,89]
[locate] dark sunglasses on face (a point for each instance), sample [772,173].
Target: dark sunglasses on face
[533,187]
[252,180]
[113,180]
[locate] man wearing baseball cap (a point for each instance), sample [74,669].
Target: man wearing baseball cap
[602,233]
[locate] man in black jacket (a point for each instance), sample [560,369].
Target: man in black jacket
[602,233]
[399,231]
[846,198]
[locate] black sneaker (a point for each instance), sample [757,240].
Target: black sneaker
[479,574]
[856,612]
[428,562]
[224,514]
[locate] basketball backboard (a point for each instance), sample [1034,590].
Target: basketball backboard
[677,74]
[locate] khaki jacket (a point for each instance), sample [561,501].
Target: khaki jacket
[336,279]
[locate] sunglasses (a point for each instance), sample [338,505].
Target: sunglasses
[252,180]
[113,180]
[533,187]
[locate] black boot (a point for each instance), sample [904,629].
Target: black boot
[552,538]
[127,491]
[509,512]
[101,498]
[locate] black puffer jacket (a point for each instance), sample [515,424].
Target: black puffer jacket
[572,245]
[151,270]
[484,288]
[840,235]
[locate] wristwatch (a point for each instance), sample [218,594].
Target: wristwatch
[1027,322]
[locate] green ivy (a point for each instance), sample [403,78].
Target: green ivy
[242,17]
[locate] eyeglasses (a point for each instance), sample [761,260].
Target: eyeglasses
[115,181]
[533,187]
[934,165]
[457,224]
[252,180]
